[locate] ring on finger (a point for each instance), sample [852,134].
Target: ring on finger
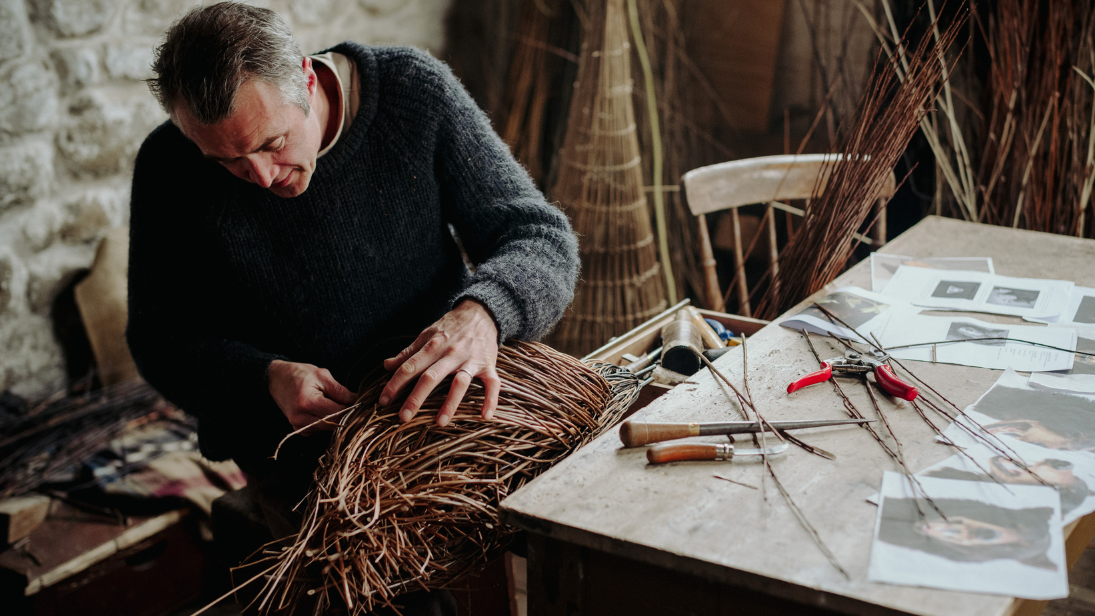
[466,371]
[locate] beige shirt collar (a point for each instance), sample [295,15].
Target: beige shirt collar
[345,72]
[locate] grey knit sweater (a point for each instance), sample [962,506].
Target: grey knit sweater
[225,277]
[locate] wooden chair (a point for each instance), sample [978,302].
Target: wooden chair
[768,179]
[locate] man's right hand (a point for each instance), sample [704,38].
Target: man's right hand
[306,393]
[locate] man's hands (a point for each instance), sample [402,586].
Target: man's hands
[306,393]
[463,343]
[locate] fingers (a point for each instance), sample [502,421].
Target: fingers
[315,408]
[392,363]
[411,362]
[430,378]
[492,385]
[460,382]
[334,390]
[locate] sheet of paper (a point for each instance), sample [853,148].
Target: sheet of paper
[1079,310]
[909,329]
[1072,474]
[994,540]
[979,292]
[1081,378]
[1015,411]
[855,306]
[883,266]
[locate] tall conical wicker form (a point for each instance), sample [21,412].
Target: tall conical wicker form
[600,187]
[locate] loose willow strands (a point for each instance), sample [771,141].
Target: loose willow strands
[1012,457]
[399,506]
[913,480]
[799,514]
[895,452]
[600,186]
[890,112]
[853,412]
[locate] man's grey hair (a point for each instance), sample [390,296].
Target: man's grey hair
[208,54]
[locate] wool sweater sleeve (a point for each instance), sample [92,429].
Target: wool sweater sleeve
[526,254]
[176,326]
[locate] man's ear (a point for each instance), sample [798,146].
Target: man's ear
[311,77]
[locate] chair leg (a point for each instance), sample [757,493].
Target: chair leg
[878,231]
[739,267]
[773,250]
[710,271]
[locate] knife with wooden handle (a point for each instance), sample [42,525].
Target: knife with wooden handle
[684,452]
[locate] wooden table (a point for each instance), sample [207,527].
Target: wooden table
[610,534]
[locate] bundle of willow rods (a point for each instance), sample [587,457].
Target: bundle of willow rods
[66,431]
[1014,140]
[896,99]
[406,506]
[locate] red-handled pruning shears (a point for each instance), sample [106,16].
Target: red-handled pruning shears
[858,363]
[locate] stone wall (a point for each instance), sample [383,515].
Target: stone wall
[73,112]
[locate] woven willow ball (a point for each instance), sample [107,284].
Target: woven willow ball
[406,506]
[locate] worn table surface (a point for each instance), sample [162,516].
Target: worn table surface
[681,517]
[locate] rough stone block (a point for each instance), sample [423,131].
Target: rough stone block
[28,100]
[88,217]
[77,17]
[50,270]
[104,135]
[381,7]
[13,279]
[13,30]
[152,17]
[26,171]
[32,364]
[129,60]
[313,12]
[78,67]
[42,225]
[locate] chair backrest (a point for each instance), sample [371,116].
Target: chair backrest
[760,180]
[766,179]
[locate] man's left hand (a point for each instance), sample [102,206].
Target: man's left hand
[463,343]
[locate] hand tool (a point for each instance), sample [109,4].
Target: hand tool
[681,452]
[636,364]
[710,336]
[682,344]
[639,433]
[859,363]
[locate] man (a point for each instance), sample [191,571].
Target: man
[290,229]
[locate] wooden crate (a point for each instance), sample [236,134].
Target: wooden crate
[642,339]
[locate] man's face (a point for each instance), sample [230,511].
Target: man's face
[266,140]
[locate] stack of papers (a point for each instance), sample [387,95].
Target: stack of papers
[910,286]
[989,518]
[993,539]
[1052,433]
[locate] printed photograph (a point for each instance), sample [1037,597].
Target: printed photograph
[971,532]
[1086,312]
[962,330]
[1019,298]
[1042,417]
[1083,364]
[954,289]
[1058,473]
[852,309]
